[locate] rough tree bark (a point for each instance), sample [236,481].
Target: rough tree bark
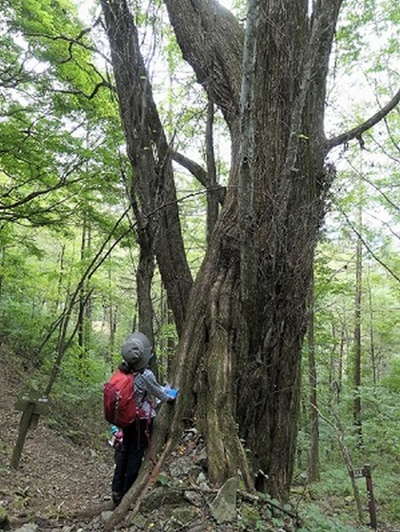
[254,352]
[212,192]
[245,359]
[144,272]
[149,154]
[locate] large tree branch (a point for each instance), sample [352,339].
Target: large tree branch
[198,172]
[81,93]
[194,168]
[322,30]
[33,195]
[356,132]
[73,41]
[211,41]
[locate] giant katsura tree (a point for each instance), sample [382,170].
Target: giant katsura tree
[245,321]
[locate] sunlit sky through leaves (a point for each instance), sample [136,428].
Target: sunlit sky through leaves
[86,6]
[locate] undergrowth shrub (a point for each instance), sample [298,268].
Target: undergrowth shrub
[315,520]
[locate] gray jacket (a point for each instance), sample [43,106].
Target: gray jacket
[147,390]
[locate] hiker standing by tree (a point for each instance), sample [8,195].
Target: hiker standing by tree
[143,388]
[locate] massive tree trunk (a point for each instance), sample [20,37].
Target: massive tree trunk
[246,316]
[250,350]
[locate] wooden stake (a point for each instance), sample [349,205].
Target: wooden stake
[22,431]
[371,498]
[31,411]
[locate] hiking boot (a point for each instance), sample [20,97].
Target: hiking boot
[116,498]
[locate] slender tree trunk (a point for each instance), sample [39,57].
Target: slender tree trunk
[2,262]
[162,341]
[357,336]
[149,154]
[134,319]
[82,294]
[340,368]
[144,278]
[167,341]
[332,368]
[171,347]
[84,306]
[63,343]
[313,464]
[303,425]
[60,279]
[371,332]
[212,193]
[88,306]
[111,321]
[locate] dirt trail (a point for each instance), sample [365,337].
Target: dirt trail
[56,478]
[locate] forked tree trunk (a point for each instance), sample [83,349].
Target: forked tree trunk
[245,355]
[241,344]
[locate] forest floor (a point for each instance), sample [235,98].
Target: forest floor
[64,487]
[55,478]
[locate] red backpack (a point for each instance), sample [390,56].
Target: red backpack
[120,407]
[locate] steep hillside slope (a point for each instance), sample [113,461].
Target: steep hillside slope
[56,478]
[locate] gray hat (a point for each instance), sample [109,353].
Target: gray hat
[137,351]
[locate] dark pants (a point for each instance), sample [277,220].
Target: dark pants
[129,458]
